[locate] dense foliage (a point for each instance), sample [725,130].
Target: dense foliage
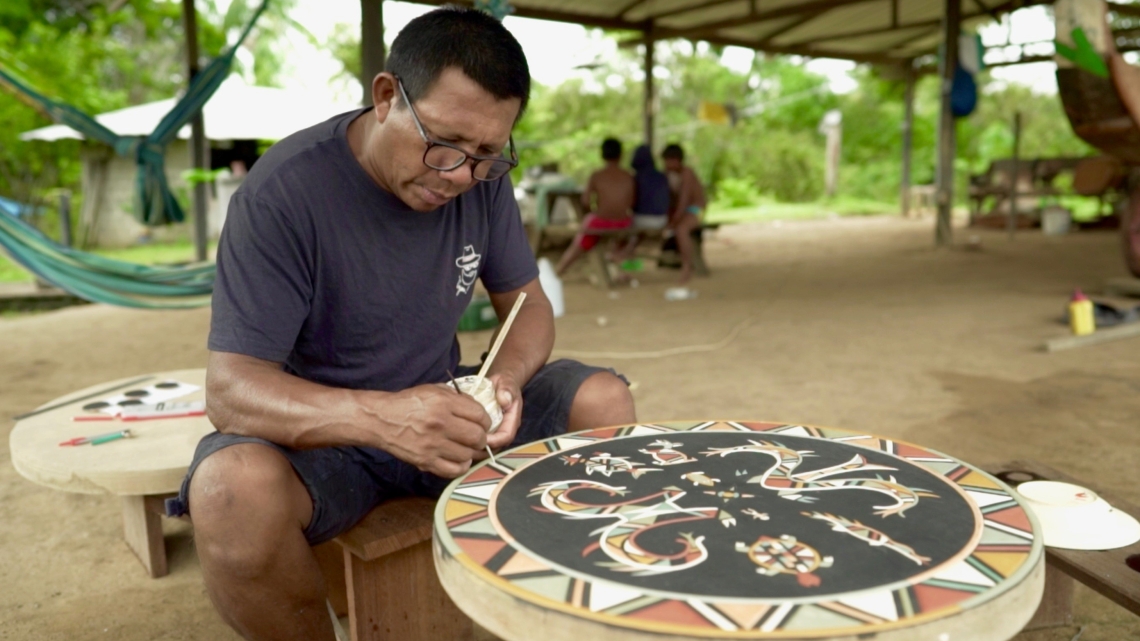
[99,56]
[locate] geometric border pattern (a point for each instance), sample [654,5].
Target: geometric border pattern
[1008,548]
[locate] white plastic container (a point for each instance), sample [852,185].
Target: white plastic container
[1056,220]
[485,394]
[552,285]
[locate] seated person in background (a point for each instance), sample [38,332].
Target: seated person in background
[608,199]
[651,201]
[688,204]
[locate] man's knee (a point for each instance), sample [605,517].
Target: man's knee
[603,399]
[241,499]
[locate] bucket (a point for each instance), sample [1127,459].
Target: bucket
[1056,220]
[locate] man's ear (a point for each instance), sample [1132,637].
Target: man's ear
[383,95]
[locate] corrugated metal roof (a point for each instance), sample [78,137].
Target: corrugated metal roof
[866,30]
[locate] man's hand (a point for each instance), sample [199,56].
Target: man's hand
[433,428]
[509,395]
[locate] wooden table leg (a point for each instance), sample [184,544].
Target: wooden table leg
[142,528]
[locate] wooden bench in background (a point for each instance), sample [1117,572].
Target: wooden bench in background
[381,574]
[1106,572]
[650,238]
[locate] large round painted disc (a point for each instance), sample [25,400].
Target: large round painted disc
[735,529]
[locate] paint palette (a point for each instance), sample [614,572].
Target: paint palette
[747,530]
[140,397]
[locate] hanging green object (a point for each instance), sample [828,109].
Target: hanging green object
[154,202]
[498,8]
[1084,55]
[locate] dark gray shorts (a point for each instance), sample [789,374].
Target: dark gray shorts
[346,483]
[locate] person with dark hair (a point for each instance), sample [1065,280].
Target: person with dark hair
[348,256]
[608,199]
[688,204]
[651,205]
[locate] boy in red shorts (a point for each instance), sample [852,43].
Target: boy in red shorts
[608,199]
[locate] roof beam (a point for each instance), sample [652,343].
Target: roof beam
[816,8]
[767,39]
[703,5]
[557,16]
[630,7]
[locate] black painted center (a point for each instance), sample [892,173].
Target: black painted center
[935,528]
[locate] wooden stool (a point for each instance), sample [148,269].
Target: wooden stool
[381,574]
[1105,571]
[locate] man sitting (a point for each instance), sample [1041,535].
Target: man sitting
[689,204]
[608,199]
[349,255]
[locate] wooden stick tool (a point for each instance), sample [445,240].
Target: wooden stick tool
[499,340]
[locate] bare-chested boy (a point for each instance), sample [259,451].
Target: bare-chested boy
[689,204]
[608,199]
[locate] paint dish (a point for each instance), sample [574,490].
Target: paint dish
[1075,518]
[485,394]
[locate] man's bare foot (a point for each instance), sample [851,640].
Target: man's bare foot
[686,276]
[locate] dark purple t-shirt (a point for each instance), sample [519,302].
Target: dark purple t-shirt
[322,270]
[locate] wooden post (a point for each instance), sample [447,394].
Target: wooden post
[650,44]
[1011,220]
[946,138]
[197,130]
[372,52]
[907,137]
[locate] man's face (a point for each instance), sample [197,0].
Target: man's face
[455,110]
[673,164]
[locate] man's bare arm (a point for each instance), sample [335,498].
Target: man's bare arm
[434,430]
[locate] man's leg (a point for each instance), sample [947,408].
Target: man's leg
[250,512]
[684,230]
[602,400]
[572,253]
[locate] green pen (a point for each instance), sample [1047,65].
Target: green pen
[107,438]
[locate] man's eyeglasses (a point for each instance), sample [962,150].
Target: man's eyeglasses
[445,156]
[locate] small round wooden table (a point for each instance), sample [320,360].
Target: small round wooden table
[143,470]
[736,530]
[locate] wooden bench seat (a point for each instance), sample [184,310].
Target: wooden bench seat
[1106,571]
[651,237]
[381,574]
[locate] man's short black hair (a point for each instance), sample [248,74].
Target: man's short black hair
[673,151]
[611,149]
[468,39]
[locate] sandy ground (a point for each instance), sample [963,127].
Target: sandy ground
[855,323]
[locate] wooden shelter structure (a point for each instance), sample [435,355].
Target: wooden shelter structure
[892,33]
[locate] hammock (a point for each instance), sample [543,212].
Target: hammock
[104,280]
[154,202]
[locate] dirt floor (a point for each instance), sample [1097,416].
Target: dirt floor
[854,323]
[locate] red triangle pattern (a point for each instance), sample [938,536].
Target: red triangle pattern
[674,612]
[480,550]
[909,451]
[606,432]
[485,473]
[931,598]
[934,598]
[761,427]
[1013,517]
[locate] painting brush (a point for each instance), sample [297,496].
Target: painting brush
[459,391]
